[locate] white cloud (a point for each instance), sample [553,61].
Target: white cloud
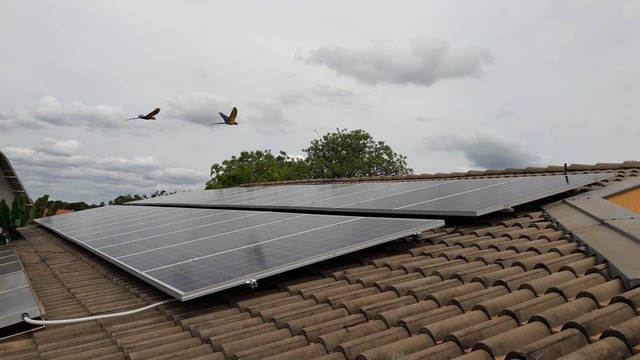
[58,168]
[489,150]
[50,111]
[58,147]
[425,63]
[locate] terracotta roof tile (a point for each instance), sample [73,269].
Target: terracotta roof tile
[631,298]
[580,267]
[628,332]
[595,322]
[405,287]
[217,338]
[323,294]
[272,348]
[491,278]
[352,348]
[372,310]
[313,332]
[499,345]
[306,352]
[354,306]
[414,322]
[559,263]
[514,282]
[392,317]
[466,302]
[333,339]
[540,285]
[232,347]
[469,336]
[444,351]
[386,284]
[493,307]
[551,347]
[610,348]
[523,311]
[397,349]
[421,292]
[556,317]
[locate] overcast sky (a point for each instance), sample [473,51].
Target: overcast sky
[453,85]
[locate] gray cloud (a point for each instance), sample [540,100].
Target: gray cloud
[292,98]
[199,108]
[424,119]
[335,95]
[50,111]
[49,166]
[425,63]
[16,119]
[269,119]
[489,150]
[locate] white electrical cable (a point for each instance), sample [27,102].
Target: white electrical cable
[26,318]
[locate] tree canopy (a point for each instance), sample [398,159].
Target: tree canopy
[335,155]
[121,199]
[255,166]
[352,154]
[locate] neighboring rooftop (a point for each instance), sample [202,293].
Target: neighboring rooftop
[525,285]
[10,184]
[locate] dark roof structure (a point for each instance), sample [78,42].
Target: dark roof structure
[550,280]
[10,184]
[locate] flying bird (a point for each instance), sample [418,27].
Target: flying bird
[149,116]
[231,119]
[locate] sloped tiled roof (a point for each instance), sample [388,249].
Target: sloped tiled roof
[514,286]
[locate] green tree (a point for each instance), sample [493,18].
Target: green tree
[5,222]
[121,199]
[254,167]
[12,218]
[353,154]
[39,206]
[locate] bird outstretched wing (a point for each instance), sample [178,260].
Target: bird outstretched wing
[224,117]
[152,114]
[232,117]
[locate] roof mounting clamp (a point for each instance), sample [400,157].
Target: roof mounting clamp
[251,281]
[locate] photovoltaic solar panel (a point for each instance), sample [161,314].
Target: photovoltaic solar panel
[459,197]
[16,296]
[193,252]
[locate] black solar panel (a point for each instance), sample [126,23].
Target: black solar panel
[194,252]
[463,197]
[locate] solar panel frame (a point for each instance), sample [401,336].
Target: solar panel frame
[193,252]
[432,198]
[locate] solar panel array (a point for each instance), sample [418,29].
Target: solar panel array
[461,197]
[16,295]
[196,243]
[193,252]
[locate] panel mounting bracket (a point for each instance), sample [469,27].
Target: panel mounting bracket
[251,281]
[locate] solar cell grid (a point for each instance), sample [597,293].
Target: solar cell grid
[457,197]
[193,252]
[16,295]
